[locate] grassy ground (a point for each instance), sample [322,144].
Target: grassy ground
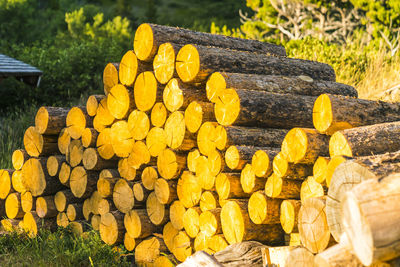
[61,248]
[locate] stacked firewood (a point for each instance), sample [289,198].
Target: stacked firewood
[201,141]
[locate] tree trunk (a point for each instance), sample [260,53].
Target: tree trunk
[149,37]
[249,108]
[50,120]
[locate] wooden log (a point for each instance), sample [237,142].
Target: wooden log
[241,254]
[130,67]
[13,208]
[50,120]
[194,63]
[311,188]
[156,211]
[332,165]
[200,242]
[320,169]
[89,137]
[37,144]
[86,209]
[74,153]
[204,176]
[120,102]
[276,187]
[300,257]
[112,227]
[10,225]
[104,144]
[209,201]
[196,113]
[164,62]
[236,157]
[275,256]
[129,242]
[148,250]
[158,114]
[215,164]
[284,169]
[93,102]
[138,225]
[373,237]
[92,161]
[182,246]
[188,190]
[45,207]
[302,145]
[263,210]
[63,141]
[140,155]
[350,173]
[27,201]
[110,76]
[123,196]
[138,124]
[292,239]
[170,164]
[192,159]
[77,120]
[289,214]
[126,170]
[156,141]
[168,234]
[210,222]
[105,205]
[82,182]
[217,243]
[105,185]
[62,220]
[313,227]
[165,190]
[63,198]
[228,186]
[175,131]
[147,91]
[298,85]
[103,115]
[248,180]
[207,138]
[32,222]
[191,221]
[94,202]
[37,180]
[140,192]
[149,37]
[54,164]
[237,226]
[176,211]
[237,107]
[17,181]
[149,177]
[333,113]
[18,158]
[5,183]
[79,228]
[95,222]
[64,174]
[366,140]
[74,212]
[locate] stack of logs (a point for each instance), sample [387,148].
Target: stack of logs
[201,141]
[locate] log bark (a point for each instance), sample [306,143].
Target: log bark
[194,63]
[366,140]
[238,107]
[370,216]
[333,113]
[297,85]
[237,226]
[50,120]
[264,210]
[149,37]
[276,187]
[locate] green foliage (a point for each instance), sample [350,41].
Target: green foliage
[61,248]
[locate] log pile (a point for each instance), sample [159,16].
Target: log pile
[203,141]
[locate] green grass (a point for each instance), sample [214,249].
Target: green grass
[61,248]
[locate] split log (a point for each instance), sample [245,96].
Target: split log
[74,153]
[120,102]
[93,102]
[164,62]
[194,63]
[28,203]
[149,37]
[156,211]
[264,210]
[63,198]
[298,85]
[209,201]
[50,120]
[138,124]
[158,114]
[110,76]
[112,227]
[241,254]
[350,173]
[148,250]
[156,141]
[63,141]
[54,164]
[74,212]
[238,107]
[89,137]
[304,145]
[92,161]
[77,120]
[228,186]
[176,211]
[37,180]
[130,67]
[210,222]
[300,257]
[289,214]
[237,226]
[18,158]
[188,190]
[284,169]
[175,131]
[170,164]
[196,113]
[248,180]
[17,181]
[313,227]
[320,169]
[64,174]
[5,183]
[370,217]
[45,207]
[191,221]
[37,144]
[13,208]
[138,225]
[32,222]
[146,91]
[365,141]
[123,196]
[276,187]
[333,113]
[311,188]
[82,182]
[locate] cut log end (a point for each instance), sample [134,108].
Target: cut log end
[145,91]
[227,107]
[128,68]
[188,63]
[110,77]
[158,114]
[164,63]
